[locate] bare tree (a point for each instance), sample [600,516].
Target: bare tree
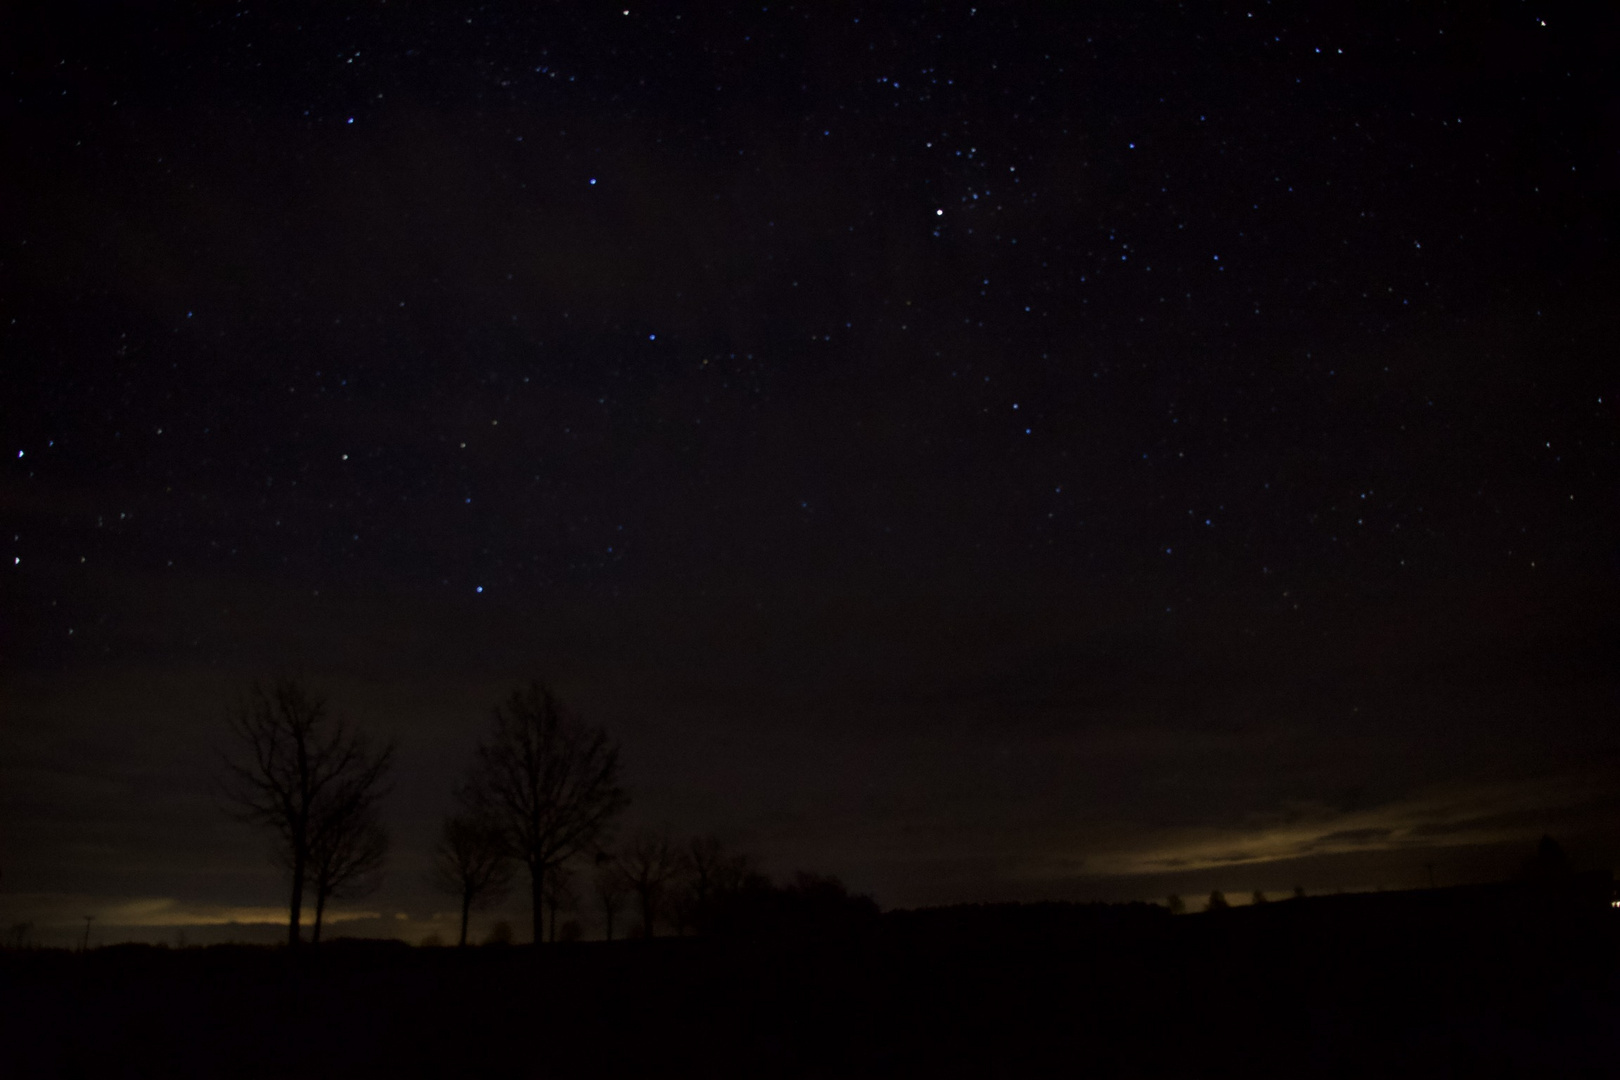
[650,863]
[471,862]
[345,858]
[550,782]
[710,872]
[294,768]
[610,889]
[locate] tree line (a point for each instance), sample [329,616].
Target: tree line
[542,798]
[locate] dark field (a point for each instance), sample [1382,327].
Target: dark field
[1466,982]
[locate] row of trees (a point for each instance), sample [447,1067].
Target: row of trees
[542,796]
[665,882]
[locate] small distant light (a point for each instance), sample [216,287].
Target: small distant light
[21,452]
[939,213]
[652,337]
[478,588]
[593,179]
[351,119]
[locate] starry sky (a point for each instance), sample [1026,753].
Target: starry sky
[988,453]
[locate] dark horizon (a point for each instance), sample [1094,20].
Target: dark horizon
[985,454]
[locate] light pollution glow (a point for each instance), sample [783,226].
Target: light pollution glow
[1444,817]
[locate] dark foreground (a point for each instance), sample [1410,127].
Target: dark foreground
[1457,982]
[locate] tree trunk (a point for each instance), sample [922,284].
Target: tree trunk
[466,906]
[320,909]
[537,881]
[297,903]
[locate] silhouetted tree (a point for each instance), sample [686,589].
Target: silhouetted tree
[709,872]
[649,863]
[1259,897]
[1299,892]
[471,863]
[549,782]
[1217,901]
[610,888]
[345,857]
[294,769]
[1175,904]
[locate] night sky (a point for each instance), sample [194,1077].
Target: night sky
[1052,451]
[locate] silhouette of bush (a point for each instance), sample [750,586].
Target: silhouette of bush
[1216,902]
[811,906]
[1547,865]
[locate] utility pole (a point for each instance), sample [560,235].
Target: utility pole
[84,945]
[1429,866]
